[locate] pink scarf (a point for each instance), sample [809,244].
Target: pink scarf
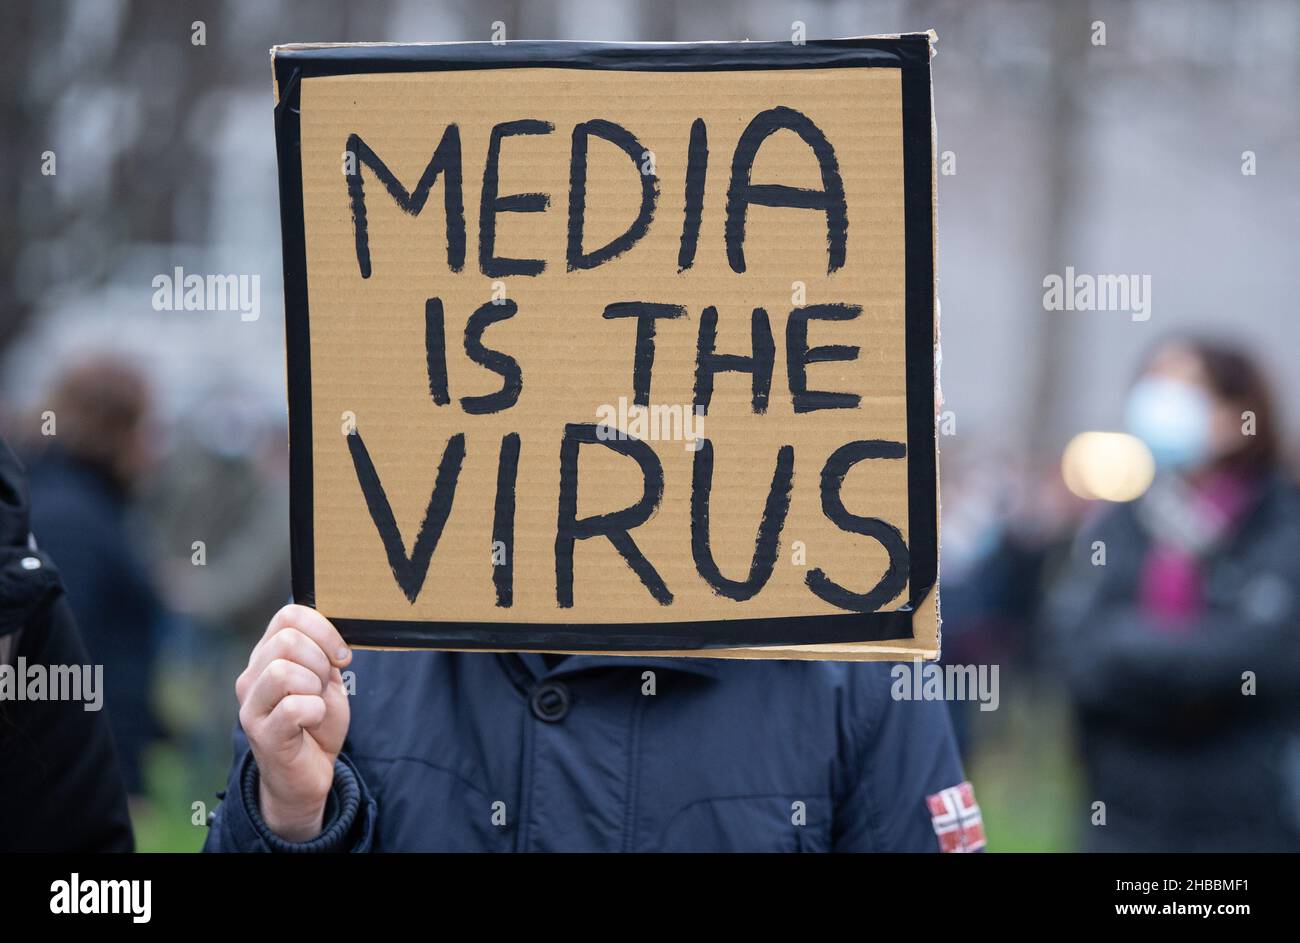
[1170,591]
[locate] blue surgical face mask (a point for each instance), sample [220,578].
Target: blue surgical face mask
[1173,419]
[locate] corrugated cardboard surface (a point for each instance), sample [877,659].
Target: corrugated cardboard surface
[368,358]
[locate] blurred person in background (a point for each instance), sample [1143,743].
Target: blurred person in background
[1182,650]
[80,489]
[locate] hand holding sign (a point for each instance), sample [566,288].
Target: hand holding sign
[294,710]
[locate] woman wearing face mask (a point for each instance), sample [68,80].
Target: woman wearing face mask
[1181,651]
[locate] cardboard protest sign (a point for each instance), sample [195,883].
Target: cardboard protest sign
[613,348]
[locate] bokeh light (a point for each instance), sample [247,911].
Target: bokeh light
[1107,466]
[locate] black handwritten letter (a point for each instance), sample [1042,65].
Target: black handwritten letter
[798,355]
[766,544]
[742,193]
[503,520]
[646,313]
[435,351]
[489,313]
[445,160]
[409,571]
[621,137]
[697,168]
[617,524]
[489,262]
[889,537]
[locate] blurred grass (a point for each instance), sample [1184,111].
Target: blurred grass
[163,819]
[1026,777]
[195,693]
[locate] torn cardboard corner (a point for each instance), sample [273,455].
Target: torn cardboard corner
[618,349]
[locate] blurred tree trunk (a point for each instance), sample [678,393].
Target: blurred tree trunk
[24,123]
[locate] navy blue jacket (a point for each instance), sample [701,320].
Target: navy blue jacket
[488,752]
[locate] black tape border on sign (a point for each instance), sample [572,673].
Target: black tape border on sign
[910,53]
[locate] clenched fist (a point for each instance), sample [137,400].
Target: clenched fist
[294,711]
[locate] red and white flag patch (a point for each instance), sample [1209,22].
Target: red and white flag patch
[956,818]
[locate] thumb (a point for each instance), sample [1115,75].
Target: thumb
[332,731]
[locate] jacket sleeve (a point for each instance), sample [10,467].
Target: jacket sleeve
[60,786]
[902,751]
[237,825]
[56,755]
[1124,666]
